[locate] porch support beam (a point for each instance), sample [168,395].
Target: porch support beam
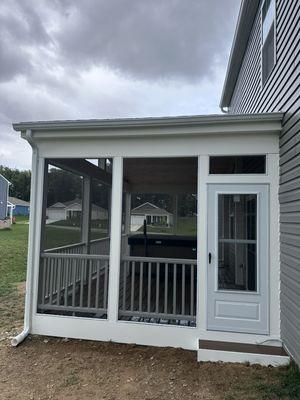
[115,241]
[127,212]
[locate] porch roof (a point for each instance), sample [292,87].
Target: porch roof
[151,126]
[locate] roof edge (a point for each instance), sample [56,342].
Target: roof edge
[247,14]
[98,124]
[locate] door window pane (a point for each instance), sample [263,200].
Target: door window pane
[237,242]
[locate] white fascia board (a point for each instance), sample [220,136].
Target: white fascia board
[265,123]
[246,17]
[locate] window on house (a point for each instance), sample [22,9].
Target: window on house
[268,38]
[255,164]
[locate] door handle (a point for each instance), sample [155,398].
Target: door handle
[209,258]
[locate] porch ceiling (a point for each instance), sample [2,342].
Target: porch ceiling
[162,174]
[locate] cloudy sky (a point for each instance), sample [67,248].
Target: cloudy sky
[74,59]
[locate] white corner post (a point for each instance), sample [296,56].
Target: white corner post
[115,239]
[86,212]
[36,199]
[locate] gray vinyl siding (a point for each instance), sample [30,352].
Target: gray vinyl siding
[280,93]
[3,197]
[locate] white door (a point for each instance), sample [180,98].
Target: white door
[238,246]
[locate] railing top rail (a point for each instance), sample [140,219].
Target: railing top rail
[75,256]
[104,238]
[68,246]
[99,240]
[160,260]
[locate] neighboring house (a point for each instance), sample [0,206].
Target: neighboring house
[238,300]
[5,207]
[152,214]
[20,207]
[73,208]
[263,75]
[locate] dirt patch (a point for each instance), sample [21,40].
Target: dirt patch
[50,368]
[11,311]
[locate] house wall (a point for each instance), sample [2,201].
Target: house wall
[56,214]
[21,210]
[3,198]
[280,93]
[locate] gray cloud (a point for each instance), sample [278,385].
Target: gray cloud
[149,39]
[109,58]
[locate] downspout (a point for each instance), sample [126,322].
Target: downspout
[29,276]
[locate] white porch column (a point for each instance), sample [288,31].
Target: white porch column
[202,242]
[86,212]
[34,239]
[115,239]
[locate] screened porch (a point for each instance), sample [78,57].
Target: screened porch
[158,274]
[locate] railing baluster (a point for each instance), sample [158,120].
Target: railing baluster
[51,281]
[125,264]
[141,286]
[74,282]
[132,285]
[81,282]
[46,294]
[106,263]
[44,271]
[59,261]
[166,288]
[149,287]
[89,264]
[157,287]
[97,283]
[192,289]
[174,288]
[183,290]
[66,281]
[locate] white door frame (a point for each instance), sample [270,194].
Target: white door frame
[238,310]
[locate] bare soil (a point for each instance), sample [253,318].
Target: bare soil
[51,368]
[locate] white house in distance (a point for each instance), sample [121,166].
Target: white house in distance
[153,215]
[5,206]
[238,298]
[73,208]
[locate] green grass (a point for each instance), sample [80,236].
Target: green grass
[56,237]
[185,226]
[282,383]
[13,251]
[22,218]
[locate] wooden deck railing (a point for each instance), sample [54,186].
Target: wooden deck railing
[76,283]
[158,288]
[151,289]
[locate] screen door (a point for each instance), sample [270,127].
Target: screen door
[238,246]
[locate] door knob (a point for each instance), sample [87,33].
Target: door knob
[209,258]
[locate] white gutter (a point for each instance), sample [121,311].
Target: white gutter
[223,110]
[28,297]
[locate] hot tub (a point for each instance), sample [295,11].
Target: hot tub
[165,246]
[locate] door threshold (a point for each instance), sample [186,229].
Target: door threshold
[216,351]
